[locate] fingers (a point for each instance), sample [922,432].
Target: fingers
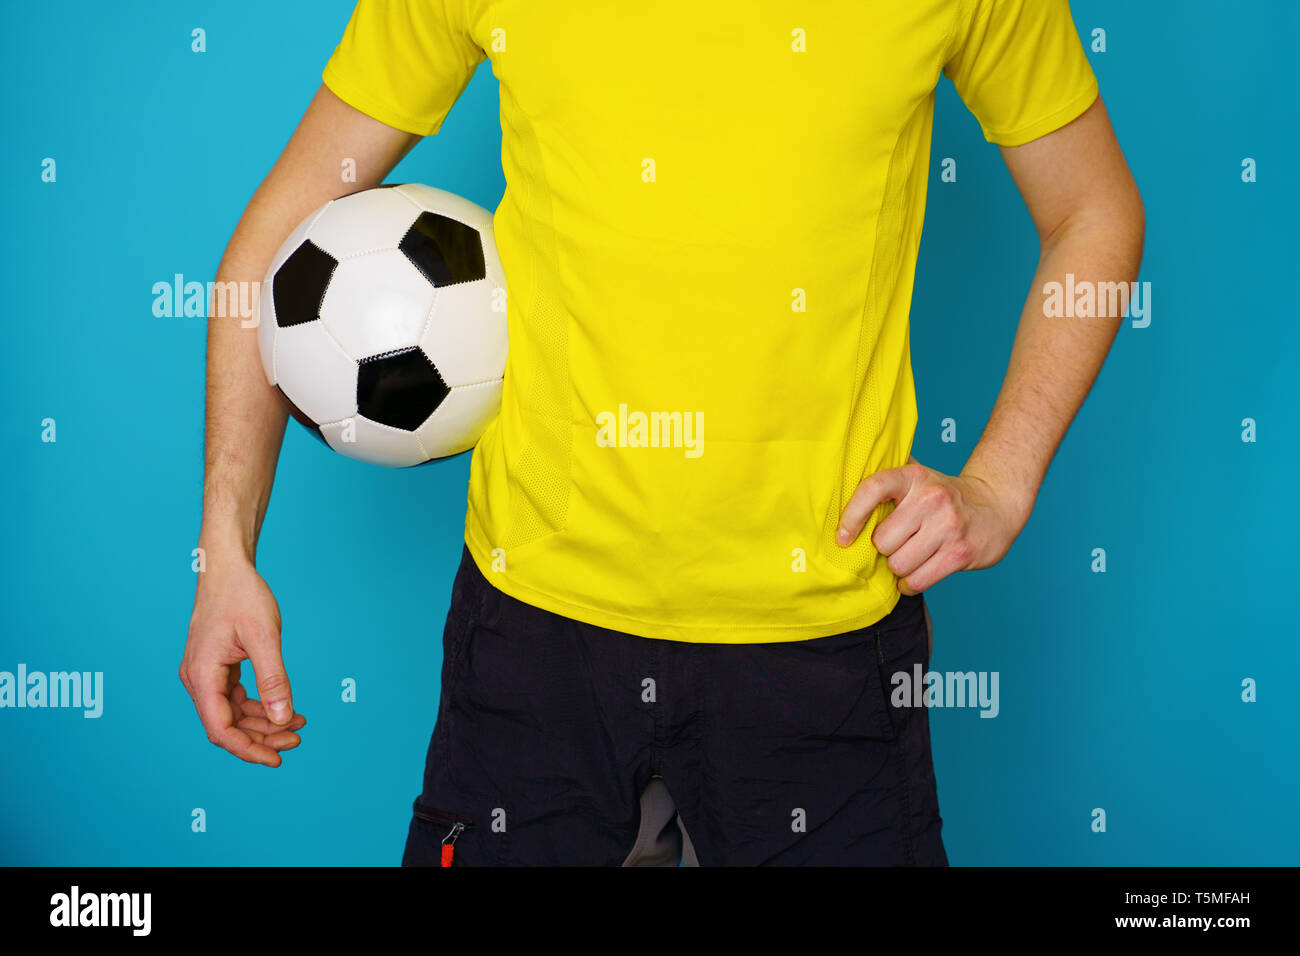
[263,647]
[938,567]
[238,696]
[925,537]
[250,717]
[891,484]
[210,689]
[277,740]
[916,529]
[248,708]
[914,552]
[936,546]
[900,525]
[252,707]
[260,725]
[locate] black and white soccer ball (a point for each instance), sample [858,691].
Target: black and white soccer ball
[382,323]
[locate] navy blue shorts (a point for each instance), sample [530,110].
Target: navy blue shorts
[563,743]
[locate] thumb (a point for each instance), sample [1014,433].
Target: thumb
[263,647]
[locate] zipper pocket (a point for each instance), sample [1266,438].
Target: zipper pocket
[889,725]
[456,824]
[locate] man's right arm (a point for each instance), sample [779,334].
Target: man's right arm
[235,615]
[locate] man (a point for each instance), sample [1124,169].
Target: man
[696,540]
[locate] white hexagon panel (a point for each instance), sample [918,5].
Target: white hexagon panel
[377,303]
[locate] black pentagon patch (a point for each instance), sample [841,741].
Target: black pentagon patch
[299,285]
[399,389]
[446,251]
[301,416]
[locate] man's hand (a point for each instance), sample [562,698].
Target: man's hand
[940,524]
[236,618]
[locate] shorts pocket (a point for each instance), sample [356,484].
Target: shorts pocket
[467,599]
[902,657]
[434,837]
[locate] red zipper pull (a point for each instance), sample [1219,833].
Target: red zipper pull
[449,843]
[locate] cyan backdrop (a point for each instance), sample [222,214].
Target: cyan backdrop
[1119,690]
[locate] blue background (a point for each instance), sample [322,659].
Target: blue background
[1119,690]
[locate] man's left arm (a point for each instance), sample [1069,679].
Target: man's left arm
[1088,213]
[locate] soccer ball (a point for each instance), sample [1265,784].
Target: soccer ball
[382,324]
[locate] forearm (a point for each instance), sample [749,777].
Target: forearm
[1055,359]
[1088,215]
[244,418]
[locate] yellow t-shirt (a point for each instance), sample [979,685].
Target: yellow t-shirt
[709,233]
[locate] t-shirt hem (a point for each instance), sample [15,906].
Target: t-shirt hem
[1048,124]
[374,107]
[690,634]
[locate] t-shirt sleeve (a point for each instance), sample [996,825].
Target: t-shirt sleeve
[1020,67]
[404,62]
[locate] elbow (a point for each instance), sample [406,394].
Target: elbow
[1114,221]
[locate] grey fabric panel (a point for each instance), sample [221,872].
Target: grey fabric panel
[661,839]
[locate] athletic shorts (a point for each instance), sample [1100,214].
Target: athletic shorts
[563,743]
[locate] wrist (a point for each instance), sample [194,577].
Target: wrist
[227,545]
[1015,493]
